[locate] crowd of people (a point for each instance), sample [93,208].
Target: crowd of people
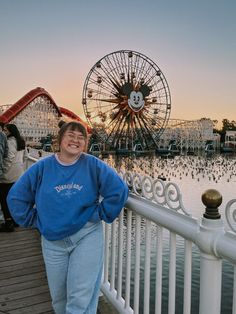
[65,196]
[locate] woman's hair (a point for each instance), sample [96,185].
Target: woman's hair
[13,131]
[71,126]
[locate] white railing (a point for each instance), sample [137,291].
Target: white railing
[135,245]
[154,238]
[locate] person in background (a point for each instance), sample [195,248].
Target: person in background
[3,147]
[13,167]
[66,196]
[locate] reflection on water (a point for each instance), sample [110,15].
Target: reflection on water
[193,175]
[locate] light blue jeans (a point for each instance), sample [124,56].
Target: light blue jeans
[74,270]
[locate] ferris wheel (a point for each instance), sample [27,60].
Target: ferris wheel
[126,100]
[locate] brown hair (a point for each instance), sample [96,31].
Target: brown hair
[72,126]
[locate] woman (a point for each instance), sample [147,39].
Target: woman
[66,196]
[13,167]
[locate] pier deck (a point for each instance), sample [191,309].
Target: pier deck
[23,283]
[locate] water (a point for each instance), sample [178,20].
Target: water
[193,175]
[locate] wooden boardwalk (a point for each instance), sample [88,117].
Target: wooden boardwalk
[23,283]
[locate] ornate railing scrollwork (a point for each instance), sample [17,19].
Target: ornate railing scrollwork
[173,197]
[156,190]
[159,191]
[230,214]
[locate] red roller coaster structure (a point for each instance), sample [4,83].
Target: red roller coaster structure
[37,115]
[23,102]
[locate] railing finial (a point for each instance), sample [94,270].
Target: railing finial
[212,199]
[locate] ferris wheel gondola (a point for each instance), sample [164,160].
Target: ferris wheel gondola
[126,100]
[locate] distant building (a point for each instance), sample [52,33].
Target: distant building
[36,115]
[230,139]
[189,135]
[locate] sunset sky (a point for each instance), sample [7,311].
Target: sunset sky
[54,43]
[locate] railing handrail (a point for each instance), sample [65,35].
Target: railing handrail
[183,225]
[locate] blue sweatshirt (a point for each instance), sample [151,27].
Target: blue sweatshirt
[60,199]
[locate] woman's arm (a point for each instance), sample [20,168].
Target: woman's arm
[12,150]
[114,192]
[21,198]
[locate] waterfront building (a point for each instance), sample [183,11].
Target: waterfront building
[230,139]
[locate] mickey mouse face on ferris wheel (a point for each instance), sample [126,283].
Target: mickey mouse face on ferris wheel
[135,98]
[136,101]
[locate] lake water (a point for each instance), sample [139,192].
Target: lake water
[193,175]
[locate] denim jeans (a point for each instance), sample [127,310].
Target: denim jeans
[74,270]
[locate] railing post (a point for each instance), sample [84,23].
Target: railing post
[211,228]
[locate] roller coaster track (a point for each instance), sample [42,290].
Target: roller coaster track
[23,102]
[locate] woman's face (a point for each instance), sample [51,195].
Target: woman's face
[6,131]
[73,143]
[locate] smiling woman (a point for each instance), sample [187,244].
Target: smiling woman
[66,196]
[73,140]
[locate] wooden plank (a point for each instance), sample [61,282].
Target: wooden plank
[22,278]
[16,254]
[25,302]
[39,308]
[22,285]
[12,268]
[31,269]
[23,293]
